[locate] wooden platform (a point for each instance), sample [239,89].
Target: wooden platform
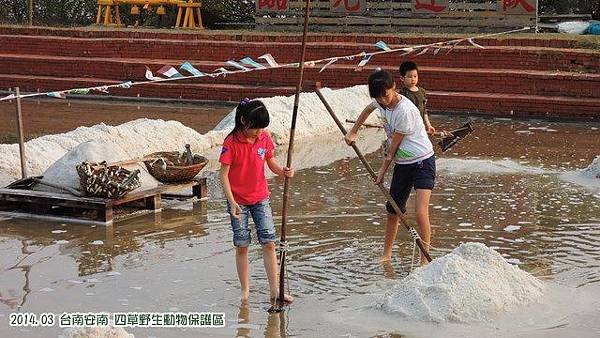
[24,203]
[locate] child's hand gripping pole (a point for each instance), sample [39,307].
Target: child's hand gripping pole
[413,233]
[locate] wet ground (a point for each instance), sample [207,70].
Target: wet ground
[500,187]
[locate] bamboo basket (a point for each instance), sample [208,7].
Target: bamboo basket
[173,167]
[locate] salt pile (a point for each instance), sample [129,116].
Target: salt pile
[143,136]
[63,172]
[588,177]
[472,283]
[96,332]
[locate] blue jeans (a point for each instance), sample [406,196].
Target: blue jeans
[262,215]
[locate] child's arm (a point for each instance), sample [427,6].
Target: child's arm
[278,170]
[224,175]
[428,127]
[396,140]
[353,133]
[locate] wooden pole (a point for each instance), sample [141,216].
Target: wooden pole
[286,185]
[385,192]
[20,135]
[537,16]
[30,12]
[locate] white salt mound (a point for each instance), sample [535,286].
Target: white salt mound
[96,332]
[144,136]
[472,283]
[588,177]
[5,179]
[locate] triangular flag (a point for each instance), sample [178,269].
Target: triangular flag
[9,97]
[351,57]
[151,76]
[126,84]
[425,50]
[270,60]
[79,91]
[169,71]
[363,62]
[237,65]
[102,89]
[407,51]
[219,71]
[58,95]
[328,64]
[187,66]
[382,45]
[474,44]
[453,46]
[250,62]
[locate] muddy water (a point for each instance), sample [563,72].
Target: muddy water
[500,187]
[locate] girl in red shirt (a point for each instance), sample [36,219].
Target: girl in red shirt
[243,156]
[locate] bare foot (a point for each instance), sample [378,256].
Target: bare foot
[287,299]
[245,296]
[384,259]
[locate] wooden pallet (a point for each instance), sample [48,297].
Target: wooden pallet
[23,203]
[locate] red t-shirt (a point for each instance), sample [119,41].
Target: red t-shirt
[247,166]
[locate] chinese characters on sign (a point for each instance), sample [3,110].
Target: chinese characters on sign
[516,6]
[351,6]
[271,5]
[430,6]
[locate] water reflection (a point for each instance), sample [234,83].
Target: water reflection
[275,326]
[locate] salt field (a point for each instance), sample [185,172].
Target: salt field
[515,220]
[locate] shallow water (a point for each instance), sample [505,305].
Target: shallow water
[183,260]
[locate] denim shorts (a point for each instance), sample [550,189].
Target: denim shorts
[420,175]
[262,215]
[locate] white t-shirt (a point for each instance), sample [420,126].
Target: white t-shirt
[405,119]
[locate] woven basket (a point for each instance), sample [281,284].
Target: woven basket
[172,166]
[100,180]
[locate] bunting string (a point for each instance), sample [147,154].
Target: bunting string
[170,73]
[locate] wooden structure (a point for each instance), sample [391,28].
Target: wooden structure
[21,202]
[192,18]
[109,11]
[415,16]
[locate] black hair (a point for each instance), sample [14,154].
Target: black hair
[250,115]
[380,81]
[406,67]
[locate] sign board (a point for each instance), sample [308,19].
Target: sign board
[517,7]
[271,5]
[348,6]
[430,6]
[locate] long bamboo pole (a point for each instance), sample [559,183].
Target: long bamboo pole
[286,185]
[20,135]
[385,192]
